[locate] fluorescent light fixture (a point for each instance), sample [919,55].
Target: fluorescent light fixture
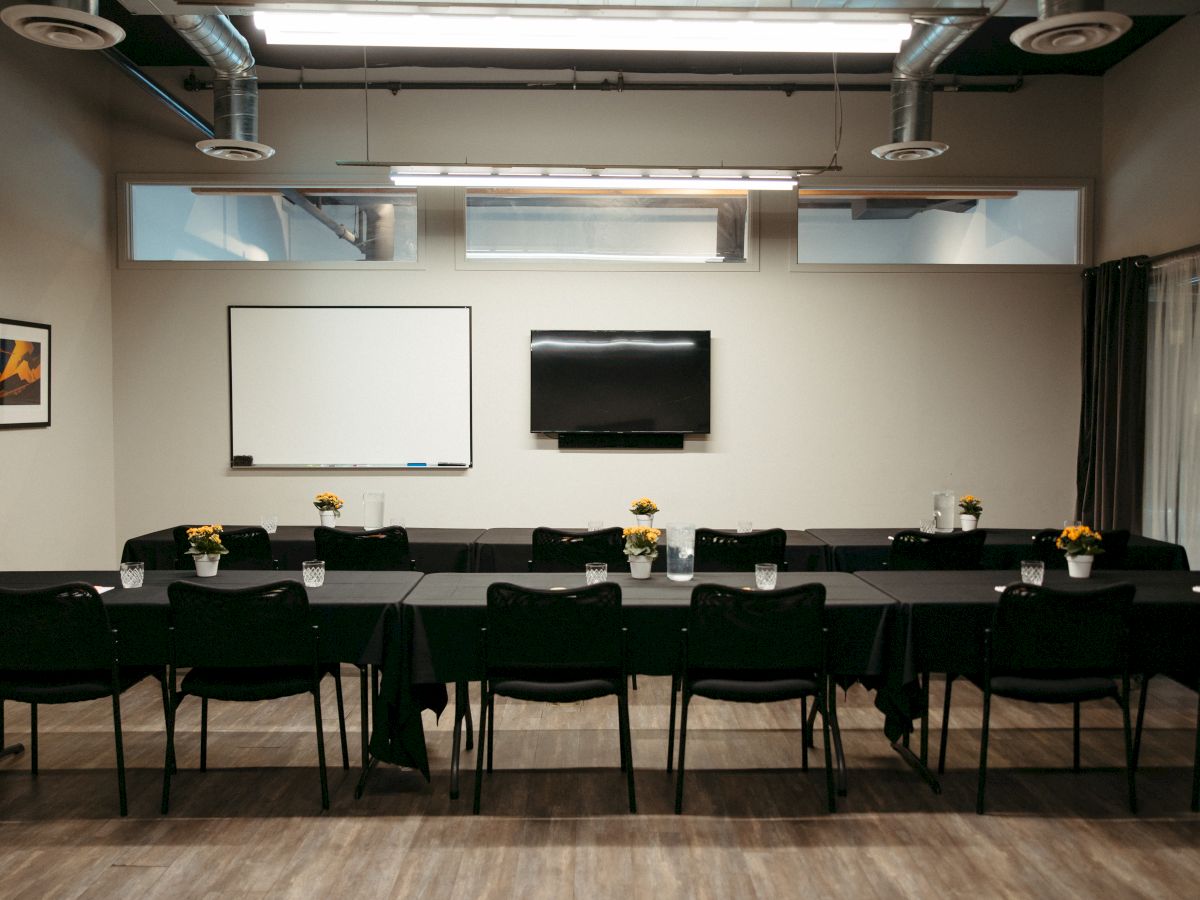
[593,30]
[588,178]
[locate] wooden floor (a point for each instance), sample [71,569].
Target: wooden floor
[252,825]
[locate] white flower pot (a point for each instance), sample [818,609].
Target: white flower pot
[327,517]
[969,523]
[644,521]
[1079,565]
[206,564]
[639,566]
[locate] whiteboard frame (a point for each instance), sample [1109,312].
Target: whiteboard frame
[397,467]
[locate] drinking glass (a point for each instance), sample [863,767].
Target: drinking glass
[595,572]
[681,552]
[270,524]
[764,576]
[745,526]
[1033,571]
[313,571]
[133,574]
[372,511]
[928,523]
[595,525]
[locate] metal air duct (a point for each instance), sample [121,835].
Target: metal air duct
[932,40]
[235,87]
[1069,26]
[70,24]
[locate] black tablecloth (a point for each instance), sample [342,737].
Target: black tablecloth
[434,549]
[510,549]
[866,549]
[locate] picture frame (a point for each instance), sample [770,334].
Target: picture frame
[25,374]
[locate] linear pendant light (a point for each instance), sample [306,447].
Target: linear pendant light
[599,178]
[594,30]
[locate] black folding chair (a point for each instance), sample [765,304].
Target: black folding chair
[916,550]
[246,644]
[553,647]
[249,548]
[555,550]
[1048,646]
[57,646]
[756,647]
[729,551]
[377,550]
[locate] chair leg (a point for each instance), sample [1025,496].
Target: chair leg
[484,742]
[466,693]
[671,724]
[166,701]
[120,754]
[491,722]
[33,739]
[1141,718]
[169,757]
[925,719]
[1130,763]
[337,681]
[945,726]
[812,723]
[203,734]
[804,733]
[364,717]
[321,746]
[626,745]
[1196,768]
[633,681]
[1075,757]
[828,728]
[983,747]
[682,750]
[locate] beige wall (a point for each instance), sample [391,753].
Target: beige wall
[56,483]
[838,399]
[1150,188]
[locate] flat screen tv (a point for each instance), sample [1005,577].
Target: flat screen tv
[619,382]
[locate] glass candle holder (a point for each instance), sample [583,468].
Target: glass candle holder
[595,572]
[745,526]
[1033,571]
[133,574]
[270,524]
[313,572]
[765,575]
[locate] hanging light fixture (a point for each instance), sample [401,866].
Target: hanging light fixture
[597,178]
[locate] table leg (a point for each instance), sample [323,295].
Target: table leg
[366,683]
[917,766]
[925,720]
[13,749]
[842,781]
[462,701]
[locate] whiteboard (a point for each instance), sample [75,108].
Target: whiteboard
[350,386]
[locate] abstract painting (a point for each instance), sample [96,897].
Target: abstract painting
[24,374]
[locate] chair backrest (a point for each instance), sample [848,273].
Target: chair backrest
[569,551]
[378,550]
[730,628]
[728,551]
[528,628]
[1038,629]
[58,628]
[249,548]
[917,550]
[265,625]
[1114,542]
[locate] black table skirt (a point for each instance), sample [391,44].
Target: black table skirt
[509,550]
[434,549]
[866,549]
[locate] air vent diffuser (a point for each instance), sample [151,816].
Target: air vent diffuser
[235,150]
[72,27]
[1071,32]
[909,151]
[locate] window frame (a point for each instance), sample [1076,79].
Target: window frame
[125,260]
[462,263]
[1083,225]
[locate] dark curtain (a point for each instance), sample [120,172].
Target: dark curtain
[1112,420]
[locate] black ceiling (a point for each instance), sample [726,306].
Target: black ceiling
[987,52]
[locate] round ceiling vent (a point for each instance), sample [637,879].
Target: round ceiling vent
[234,149]
[61,26]
[1071,32]
[908,151]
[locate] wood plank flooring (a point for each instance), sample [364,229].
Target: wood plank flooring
[252,825]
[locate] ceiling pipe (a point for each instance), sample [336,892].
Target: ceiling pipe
[235,88]
[157,91]
[932,40]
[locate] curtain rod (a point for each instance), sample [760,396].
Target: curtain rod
[1194,248]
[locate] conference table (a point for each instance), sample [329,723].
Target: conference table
[434,549]
[448,610]
[510,549]
[942,617]
[866,549]
[350,609]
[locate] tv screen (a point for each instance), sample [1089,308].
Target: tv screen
[625,382]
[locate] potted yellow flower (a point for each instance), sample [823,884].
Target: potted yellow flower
[206,549]
[643,509]
[330,506]
[1081,545]
[641,547]
[972,509]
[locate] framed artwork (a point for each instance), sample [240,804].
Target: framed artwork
[24,374]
